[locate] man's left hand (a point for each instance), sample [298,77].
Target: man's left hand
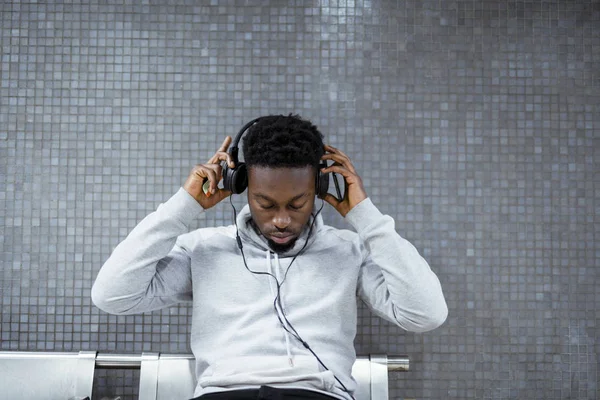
[354,191]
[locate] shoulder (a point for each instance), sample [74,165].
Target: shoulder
[207,236]
[341,235]
[340,243]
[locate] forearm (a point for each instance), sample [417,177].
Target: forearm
[416,301]
[126,282]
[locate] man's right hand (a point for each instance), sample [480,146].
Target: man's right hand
[213,172]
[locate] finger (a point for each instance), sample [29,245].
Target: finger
[227,157]
[340,159]
[221,194]
[199,171]
[337,157]
[329,198]
[335,150]
[212,177]
[218,170]
[222,156]
[225,144]
[340,170]
[222,149]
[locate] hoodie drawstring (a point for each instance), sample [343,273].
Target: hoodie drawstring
[274,293]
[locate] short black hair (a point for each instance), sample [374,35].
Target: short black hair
[279,141]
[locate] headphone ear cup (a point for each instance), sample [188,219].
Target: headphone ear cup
[236,180]
[322,181]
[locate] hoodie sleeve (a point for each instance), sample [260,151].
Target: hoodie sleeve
[394,280]
[150,268]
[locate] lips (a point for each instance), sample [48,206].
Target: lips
[281,239]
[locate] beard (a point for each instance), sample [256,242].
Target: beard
[281,248]
[276,247]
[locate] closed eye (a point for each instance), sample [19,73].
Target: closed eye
[291,206]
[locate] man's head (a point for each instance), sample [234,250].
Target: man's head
[282,154]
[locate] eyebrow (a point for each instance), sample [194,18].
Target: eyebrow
[262,196]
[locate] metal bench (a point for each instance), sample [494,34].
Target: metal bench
[46,375]
[52,375]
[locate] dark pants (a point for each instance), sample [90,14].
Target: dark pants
[266,393]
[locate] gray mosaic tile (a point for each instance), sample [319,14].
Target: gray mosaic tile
[474,124]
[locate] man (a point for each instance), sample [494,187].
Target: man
[274,296]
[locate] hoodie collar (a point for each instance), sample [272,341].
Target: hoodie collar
[250,235]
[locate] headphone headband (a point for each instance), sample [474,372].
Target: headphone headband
[236,179]
[233,151]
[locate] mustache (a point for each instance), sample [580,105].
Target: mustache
[270,232]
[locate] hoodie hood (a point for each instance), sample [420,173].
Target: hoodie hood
[249,234]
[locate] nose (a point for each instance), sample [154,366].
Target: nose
[282,220]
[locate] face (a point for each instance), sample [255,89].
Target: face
[281,201]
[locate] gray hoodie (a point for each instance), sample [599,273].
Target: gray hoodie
[236,334]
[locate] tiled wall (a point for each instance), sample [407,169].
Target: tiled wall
[475,124]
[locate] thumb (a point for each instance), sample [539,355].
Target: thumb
[221,194]
[331,199]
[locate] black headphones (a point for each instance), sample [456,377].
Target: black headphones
[236,179]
